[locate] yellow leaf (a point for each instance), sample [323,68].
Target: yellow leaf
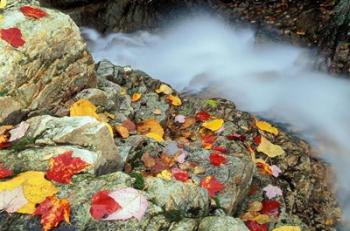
[2,4]
[150,126]
[83,107]
[174,100]
[267,127]
[165,89]
[287,228]
[35,188]
[262,219]
[136,97]
[155,136]
[213,125]
[165,174]
[122,131]
[269,148]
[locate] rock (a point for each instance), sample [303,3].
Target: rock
[101,99]
[224,223]
[88,138]
[185,224]
[54,63]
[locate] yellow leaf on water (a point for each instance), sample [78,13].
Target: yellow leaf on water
[2,4]
[35,188]
[165,174]
[165,89]
[269,148]
[155,136]
[136,97]
[83,107]
[267,127]
[174,100]
[213,125]
[287,228]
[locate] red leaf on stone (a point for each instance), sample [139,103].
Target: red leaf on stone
[211,185]
[64,166]
[257,140]
[271,208]
[219,149]
[180,175]
[217,159]
[236,136]
[4,172]
[33,12]
[13,36]
[202,116]
[103,205]
[254,226]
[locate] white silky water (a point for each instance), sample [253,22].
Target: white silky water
[272,80]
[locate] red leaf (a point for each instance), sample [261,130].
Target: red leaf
[4,145]
[103,205]
[4,172]
[254,226]
[33,12]
[64,166]
[220,149]
[265,168]
[202,116]
[257,140]
[53,211]
[217,159]
[236,136]
[13,36]
[211,185]
[180,174]
[271,208]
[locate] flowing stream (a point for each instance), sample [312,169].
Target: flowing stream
[273,80]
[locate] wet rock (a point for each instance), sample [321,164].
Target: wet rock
[224,223]
[54,63]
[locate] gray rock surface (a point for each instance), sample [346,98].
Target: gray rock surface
[224,223]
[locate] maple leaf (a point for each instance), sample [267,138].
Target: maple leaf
[4,172]
[64,166]
[236,136]
[136,97]
[102,205]
[217,159]
[53,211]
[35,188]
[202,116]
[269,148]
[132,202]
[287,228]
[2,4]
[174,100]
[254,226]
[165,89]
[211,185]
[271,208]
[33,12]
[272,191]
[12,200]
[83,107]
[13,36]
[150,126]
[208,140]
[180,175]
[213,125]
[155,136]
[221,149]
[267,127]
[19,131]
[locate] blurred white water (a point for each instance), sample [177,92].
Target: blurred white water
[271,80]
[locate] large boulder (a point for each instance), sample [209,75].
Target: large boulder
[51,66]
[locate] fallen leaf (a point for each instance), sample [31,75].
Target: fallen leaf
[267,127]
[263,166]
[275,170]
[174,100]
[2,4]
[165,89]
[287,228]
[221,149]
[83,107]
[13,36]
[180,175]
[189,122]
[211,185]
[12,200]
[103,205]
[202,116]
[64,166]
[148,160]
[254,206]
[262,219]
[236,136]
[212,103]
[217,159]
[208,140]
[136,97]
[132,202]
[269,148]
[19,131]
[271,208]
[33,12]
[35,188]
[122,131]
[150,126]
[129,125]
[165,174]
[53,211]
[272,191]
[180,119]
[213,125]
[155,137]
[4,172]
[254,226]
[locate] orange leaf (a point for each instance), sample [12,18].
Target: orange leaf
[150,126]
[122,131]
[64,166]
[136,97]
[174,100]
[53,211]
[211,185]
[33,12]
